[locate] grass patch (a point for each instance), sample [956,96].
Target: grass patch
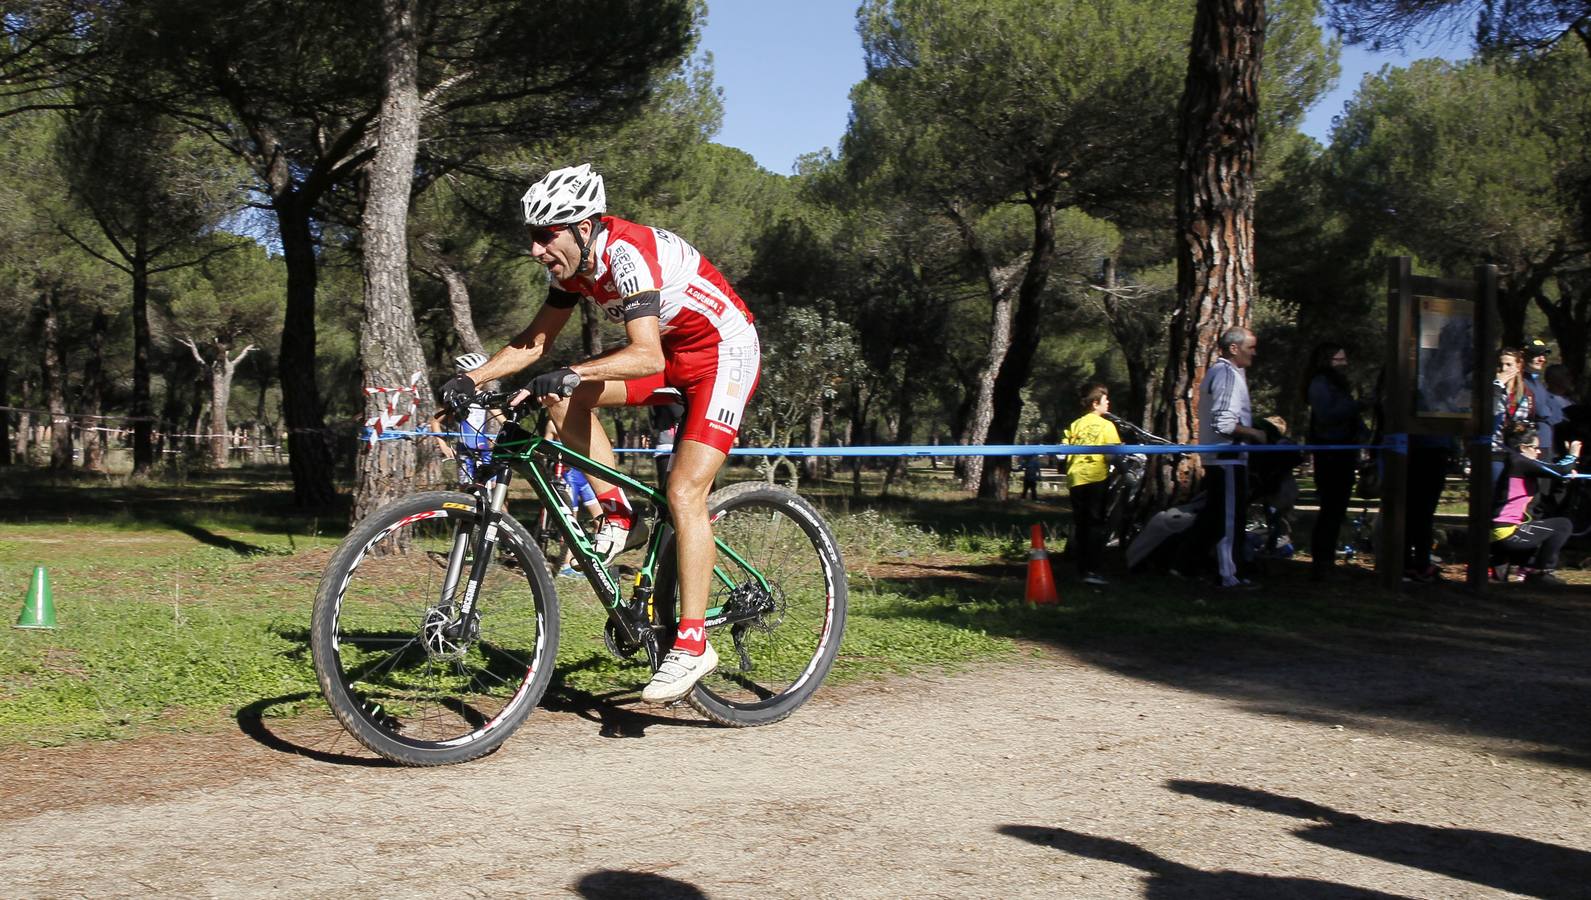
[156,630]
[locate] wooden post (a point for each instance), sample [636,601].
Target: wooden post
[1478,442]
[1397,387]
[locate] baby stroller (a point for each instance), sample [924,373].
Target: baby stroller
[1124,500]
[1273,492]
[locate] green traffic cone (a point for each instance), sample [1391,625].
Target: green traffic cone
[39,610]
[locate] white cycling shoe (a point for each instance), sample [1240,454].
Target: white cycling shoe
[610,541]
[678,674]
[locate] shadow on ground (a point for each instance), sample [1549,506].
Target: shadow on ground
[618,713]
[1499,861]
[1169,878]
[613,884]
[1511,665]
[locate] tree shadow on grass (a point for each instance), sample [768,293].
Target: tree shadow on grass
[210,538]
[1509,665]
[1503,862]
[1168,878]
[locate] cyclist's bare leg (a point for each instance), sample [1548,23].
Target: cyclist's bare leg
[689,482]
[579,428]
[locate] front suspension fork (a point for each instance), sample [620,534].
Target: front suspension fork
[490,510]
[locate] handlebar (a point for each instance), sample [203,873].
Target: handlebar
[499,400]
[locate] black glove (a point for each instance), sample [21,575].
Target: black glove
[559,381]
[457,392]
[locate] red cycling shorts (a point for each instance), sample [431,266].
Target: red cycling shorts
[716,383]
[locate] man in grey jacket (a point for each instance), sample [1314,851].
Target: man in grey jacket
[1225,417]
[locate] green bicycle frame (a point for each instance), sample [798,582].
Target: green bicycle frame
[520,449]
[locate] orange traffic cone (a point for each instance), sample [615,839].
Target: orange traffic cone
[1041,578]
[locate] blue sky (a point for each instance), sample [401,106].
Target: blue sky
[786,69]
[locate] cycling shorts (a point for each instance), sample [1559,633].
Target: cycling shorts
[579,487]
[715,382]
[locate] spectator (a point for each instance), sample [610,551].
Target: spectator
[582,498]
[1225,417]
[1528,545]
[1512,409]
[1546,413]
[1334,418]
[1572,424]
[1085,482]
[1030,477]
[1430,456]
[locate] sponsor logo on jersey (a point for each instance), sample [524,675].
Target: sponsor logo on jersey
[705,300]
[625,268]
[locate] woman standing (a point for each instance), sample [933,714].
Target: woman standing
[1333,419]
[1512,409]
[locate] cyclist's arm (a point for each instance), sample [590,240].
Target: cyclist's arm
[643,356]
[524,350]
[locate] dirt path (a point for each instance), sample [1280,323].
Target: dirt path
[1452,764]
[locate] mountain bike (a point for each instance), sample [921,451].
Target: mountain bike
[435,627]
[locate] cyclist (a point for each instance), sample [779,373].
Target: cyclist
[689,333]
[473,445]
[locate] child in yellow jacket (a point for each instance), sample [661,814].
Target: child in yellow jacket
[1086,481]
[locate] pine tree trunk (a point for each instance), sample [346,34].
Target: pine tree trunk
[977,430]
[814,439]
[1026,329]
[53,367]
[220,391]
[389,342]
[94,393]
[1569,318]
[5,415]
[1218,136]
[222,369]
[458,302]
[309,447]
[143,404]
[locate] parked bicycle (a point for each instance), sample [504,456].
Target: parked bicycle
[435,628]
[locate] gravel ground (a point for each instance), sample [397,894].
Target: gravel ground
[1449,761]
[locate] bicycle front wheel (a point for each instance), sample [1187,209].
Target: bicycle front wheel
[409,675]
[779,597]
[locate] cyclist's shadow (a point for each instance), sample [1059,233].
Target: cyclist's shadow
[619,712]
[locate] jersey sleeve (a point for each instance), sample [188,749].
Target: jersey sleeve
[632,270]
[646,303]
[558,298]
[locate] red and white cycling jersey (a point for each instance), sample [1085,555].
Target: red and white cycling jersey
[699,308]
[710,348]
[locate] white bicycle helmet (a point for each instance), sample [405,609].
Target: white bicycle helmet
[564,196]
[470,362]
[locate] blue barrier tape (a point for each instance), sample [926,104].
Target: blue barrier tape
[964,450]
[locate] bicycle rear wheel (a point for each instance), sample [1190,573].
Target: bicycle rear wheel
[777,635]
[399,669]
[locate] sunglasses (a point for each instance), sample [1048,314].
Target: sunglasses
[546,234]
